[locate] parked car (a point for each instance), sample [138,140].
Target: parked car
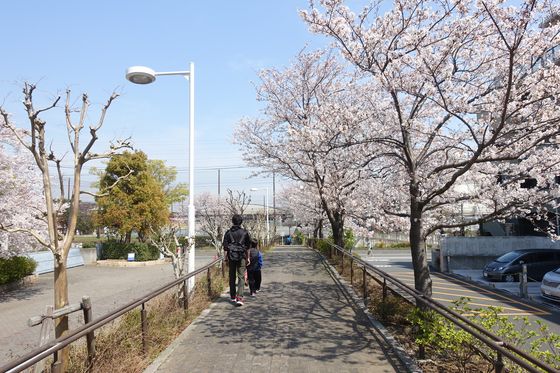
[550,287]
[508,266]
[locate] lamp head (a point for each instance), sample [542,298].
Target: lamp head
[254,189]
[140,75]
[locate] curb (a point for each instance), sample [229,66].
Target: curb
[408,361]
[123,263]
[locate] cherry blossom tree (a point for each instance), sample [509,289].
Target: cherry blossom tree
[462,93]
[311,108]
[34,139]
[301,200]
[22,206]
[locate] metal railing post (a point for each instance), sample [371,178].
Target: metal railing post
[351,271]
[185,296]
[56,366]
[364,284]
[209,278]
[144,322]
[523,291]
[499,364]
[384,288]
[90,338]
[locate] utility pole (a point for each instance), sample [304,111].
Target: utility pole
[218,181]
[274,203]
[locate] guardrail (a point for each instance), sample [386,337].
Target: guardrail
[502,348]
[87,330]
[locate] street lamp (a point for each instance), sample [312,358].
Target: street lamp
[266,209]
[145,75]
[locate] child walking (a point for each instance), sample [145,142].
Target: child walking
[254,268]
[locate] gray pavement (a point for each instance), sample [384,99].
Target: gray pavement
[108,288]
[533,288]
[301,321]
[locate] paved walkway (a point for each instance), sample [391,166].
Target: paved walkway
[301,321]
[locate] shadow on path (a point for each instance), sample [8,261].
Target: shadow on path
[301,321]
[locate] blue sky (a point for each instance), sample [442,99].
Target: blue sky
[87,47]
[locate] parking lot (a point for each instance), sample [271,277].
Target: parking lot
[108,288]
[533,288]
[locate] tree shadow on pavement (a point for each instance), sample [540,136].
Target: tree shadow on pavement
[302,315]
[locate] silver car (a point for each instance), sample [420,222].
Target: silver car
[550,286]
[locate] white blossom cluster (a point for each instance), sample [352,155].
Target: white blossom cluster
[22,203]
[426,108]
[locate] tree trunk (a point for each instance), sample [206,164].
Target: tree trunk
[128,237]
[61,300]
[422,279]
[318,230]
[337,226]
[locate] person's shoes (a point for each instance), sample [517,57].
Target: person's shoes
[256,291]
[253,294]
[239,301]
[233,300]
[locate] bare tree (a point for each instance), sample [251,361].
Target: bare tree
[34,139]
[213,216]
[165,239]
[237,203]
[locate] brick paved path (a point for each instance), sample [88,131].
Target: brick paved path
[301,321]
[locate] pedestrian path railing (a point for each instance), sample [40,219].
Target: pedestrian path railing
[53,348]
[390,283]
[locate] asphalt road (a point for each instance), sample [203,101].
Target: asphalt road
[108,288]
[448,288]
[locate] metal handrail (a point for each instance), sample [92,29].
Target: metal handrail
[516,355]
[58,344]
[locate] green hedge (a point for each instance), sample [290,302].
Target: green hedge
[118,250]
[323,245]
[392,245]
[15,268]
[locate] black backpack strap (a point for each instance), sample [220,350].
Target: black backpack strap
[233,239]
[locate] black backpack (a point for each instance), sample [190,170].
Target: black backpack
[236,250]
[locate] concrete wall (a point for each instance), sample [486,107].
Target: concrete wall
[89,255]
[45,260]
[476,252]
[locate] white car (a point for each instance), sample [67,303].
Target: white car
[550,286]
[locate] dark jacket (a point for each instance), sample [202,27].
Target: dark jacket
[239,235]
[256,259]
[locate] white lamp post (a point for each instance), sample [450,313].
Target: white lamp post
[145,75]
[266,209]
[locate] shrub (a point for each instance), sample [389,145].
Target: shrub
[118,250]
[87,241]
[15,268]
[349,239]
[393,245]
[89,244]
[323,246]
[202,241]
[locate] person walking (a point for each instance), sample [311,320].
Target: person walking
[236,245]
[254,268]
